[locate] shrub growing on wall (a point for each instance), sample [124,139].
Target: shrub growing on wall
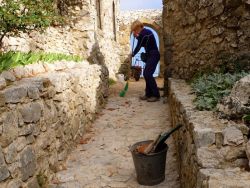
[18,16]
[210,88]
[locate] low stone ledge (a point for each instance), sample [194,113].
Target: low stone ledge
[43,117]
[205,144]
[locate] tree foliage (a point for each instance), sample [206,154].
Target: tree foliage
[18,16]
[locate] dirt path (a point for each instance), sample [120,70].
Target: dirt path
[103,158]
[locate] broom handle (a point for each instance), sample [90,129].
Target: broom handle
[132,48]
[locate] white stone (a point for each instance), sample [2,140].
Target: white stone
[36,68]
[204,137]
[233,136]
[241,90]
[2,83]
[7,75]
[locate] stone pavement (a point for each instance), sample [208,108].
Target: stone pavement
[103,159]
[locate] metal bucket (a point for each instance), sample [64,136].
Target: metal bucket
[150,169]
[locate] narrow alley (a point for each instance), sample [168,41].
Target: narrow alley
[103,159]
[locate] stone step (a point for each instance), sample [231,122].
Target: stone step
[220,178]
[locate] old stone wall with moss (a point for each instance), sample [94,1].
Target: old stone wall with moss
[45,110]
[201,35]
[90,31]
[212,151]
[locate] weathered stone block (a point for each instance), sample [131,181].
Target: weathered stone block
[202,14]
[2,83]
[204,137]
[209,157]
[4,173]
[36,68]
[15,184]
[27,163]
[31,112]
[26,130]
[233,136]
[11,153]
[231,154]
[2,162]
[33,183]
[60,81]
[10,128]
[7,75]
[13,94]
[14,169]
[33,92]
[217,31]
[21,143]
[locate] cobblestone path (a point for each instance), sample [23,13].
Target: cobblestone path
[103,158]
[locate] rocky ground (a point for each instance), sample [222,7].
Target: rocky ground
[103,159]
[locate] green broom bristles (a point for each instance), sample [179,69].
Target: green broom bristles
[123,92]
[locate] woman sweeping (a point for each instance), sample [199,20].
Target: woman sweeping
[147,40]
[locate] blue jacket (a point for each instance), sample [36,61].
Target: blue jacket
[147,40]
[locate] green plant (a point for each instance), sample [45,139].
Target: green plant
[246,117]
[12,59]
[17,16]
[210,88]
[246,120]
[42,179]
[111,81]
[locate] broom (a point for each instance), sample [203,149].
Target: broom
[124,91]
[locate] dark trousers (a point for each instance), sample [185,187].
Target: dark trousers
[151,86]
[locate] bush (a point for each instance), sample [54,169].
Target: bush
[24,16]
[210,88]
[12,59]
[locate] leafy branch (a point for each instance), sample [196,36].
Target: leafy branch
[210,88]
[26,15]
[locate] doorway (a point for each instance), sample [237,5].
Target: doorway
[136,60]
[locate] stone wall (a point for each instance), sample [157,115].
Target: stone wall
[202,34]
[151,18]
[45,109]
[212,152]
[80,35]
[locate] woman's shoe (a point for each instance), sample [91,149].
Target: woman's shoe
[144,97]
[153,99]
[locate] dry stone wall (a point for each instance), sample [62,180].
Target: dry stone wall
[45,109]
[212,152]
[81,34]
[202,34]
